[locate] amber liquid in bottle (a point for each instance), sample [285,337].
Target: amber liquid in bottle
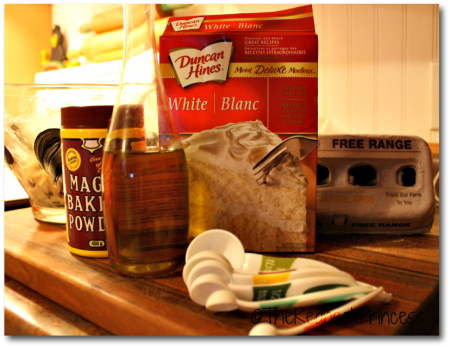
[146,211]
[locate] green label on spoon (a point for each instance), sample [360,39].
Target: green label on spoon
[270,292]
[276,264]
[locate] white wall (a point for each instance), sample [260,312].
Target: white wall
[378,64]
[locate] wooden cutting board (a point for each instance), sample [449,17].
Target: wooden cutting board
[36,255]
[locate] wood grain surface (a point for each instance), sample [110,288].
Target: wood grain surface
[36,255]
[28,313]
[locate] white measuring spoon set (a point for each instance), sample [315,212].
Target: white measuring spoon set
[205,285]
[253,263]
[225,247]
[222,277]
[230,276]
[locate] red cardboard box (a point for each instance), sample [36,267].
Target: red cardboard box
[235,77]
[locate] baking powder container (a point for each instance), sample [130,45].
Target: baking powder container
[83,133]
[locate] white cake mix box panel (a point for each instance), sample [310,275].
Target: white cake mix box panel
[238,85]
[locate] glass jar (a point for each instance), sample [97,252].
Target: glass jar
[144,174]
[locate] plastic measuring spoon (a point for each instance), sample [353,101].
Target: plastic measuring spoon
[228,245]
[222,245]
[252,263]
[262,263]
[266,329]
[203,256]
[205,285]
[226,272]
[220,241]
[225,300]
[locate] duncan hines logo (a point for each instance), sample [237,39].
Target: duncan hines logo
[190,24]
[211,63]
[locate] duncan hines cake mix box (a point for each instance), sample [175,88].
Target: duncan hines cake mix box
[238,85]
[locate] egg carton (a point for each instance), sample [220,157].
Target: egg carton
[374,184]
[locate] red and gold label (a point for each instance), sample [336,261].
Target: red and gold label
[213,78]
[82,151]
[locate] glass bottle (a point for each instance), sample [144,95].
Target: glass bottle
[144,173]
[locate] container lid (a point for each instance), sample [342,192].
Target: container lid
[86,117]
